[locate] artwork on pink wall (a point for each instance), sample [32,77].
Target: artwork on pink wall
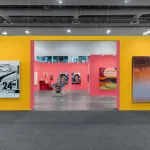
[51,77]
[45,74]
[76,78]
[108,78]
[64,77]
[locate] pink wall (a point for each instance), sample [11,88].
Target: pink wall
[96,62]
[55,68]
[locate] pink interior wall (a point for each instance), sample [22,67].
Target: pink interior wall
[37,69]
[96,62]
[55,68]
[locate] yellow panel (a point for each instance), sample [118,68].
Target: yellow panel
[18,48]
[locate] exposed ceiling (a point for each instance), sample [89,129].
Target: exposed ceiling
[74,14]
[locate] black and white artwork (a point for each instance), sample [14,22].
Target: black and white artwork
[9,79]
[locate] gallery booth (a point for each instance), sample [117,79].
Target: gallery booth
[124,74]
[87,67]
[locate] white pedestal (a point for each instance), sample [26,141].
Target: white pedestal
[54,94]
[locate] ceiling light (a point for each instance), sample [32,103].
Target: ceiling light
[126,1]
[27,31]
[4,33]
[60,2]
[146,32]
[69,30]
[108,31]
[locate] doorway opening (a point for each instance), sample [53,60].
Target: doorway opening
[87,70]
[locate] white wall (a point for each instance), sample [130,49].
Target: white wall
[74,48]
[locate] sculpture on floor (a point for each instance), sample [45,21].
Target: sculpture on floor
[58,85]
[58,88]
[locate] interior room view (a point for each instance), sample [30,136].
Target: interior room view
[87,70]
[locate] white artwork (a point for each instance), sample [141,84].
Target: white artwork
[35,78]
[9,79]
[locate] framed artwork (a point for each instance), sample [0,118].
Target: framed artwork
[141,79]
[9,79]
[76,78]
[64,77]
[51,77]
[45,74]
[108,78]
[46,59]
[35,78]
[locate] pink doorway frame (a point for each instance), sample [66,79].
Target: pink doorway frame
[32,75]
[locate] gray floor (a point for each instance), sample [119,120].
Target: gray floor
[73,100]
[68,130]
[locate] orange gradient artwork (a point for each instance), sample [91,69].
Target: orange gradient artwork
[141,78]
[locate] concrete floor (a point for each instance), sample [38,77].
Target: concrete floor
[73,101]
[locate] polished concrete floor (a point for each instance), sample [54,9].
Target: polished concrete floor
[75,130]
[73,100]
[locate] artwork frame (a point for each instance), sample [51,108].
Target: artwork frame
[10,79]
[108,78]
[64,77]
[140,79]
[76,78]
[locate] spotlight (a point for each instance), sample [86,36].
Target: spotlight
[4,33]
[126,1]
[69,30]
[60,2]
[108,31]
[146,32]
[27,31]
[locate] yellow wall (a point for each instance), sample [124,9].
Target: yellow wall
[18,48]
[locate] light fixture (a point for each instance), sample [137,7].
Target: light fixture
[27,31]
[108,31]
[146,32]
[69,30]
[60,2]
[134,22]
[126,1]
[4,33]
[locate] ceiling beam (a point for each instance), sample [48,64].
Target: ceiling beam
[73,2]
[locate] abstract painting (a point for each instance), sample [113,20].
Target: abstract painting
[108,78]
[64,77]
[9,79]
[141,79]
[76,78]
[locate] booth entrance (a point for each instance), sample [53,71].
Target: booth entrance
[88,71]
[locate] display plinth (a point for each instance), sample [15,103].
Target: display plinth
[54,94]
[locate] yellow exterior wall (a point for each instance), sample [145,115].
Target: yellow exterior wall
[18,48]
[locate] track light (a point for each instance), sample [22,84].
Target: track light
[69,30]
[146,32]
[27,31]
[108,31]
[4,33]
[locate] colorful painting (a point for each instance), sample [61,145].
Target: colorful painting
[9,79]
[141,79]
[64,77]
[76,78]
[108,78]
